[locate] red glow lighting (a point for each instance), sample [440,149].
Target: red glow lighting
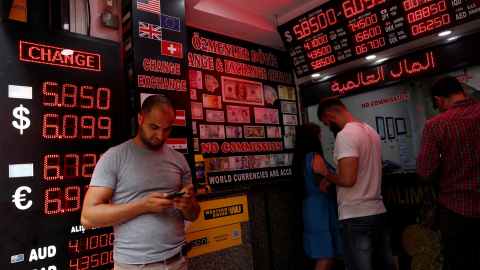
[431,24]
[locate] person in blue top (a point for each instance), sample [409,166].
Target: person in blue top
[320,218]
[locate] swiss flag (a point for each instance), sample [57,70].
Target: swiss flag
[172,49]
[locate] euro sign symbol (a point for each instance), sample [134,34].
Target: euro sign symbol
[19,197]
[288,36]
[24,121]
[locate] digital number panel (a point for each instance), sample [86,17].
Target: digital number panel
[59,117]
[341,31]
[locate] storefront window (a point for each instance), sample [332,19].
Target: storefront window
[398,113]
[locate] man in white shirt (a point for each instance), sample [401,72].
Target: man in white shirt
[364,237]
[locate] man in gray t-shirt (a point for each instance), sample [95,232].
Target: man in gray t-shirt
[128,191]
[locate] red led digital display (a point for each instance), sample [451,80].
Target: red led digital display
[50,55]
[315,24]
[61,112]
[92,261]
[60,201]
[70,96]
[355,7]
[91,243]
[355,28]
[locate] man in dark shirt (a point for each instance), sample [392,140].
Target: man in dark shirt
[450,155]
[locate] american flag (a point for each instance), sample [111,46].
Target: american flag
[152,6]
[148,30]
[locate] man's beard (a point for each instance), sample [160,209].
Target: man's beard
[147,142]
[335,128]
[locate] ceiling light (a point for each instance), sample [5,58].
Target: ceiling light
[316,75]
[381,60]
[67,52]
[444,33]
[452,38]
[370,57]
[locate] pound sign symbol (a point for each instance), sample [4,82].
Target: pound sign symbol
[20,197]
[24,121]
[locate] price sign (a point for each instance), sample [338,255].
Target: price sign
[342,31]
[60,113]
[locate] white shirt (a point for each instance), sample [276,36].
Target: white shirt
[364,198]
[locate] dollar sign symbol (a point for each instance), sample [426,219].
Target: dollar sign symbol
[24,121]
[288,36]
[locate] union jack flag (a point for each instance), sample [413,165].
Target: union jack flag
[151,31]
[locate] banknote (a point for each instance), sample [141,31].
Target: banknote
[234,132]
[238,114]
[193,94]
[196,146]
[252,132]
[289,141]
[215,116]
[286,92]
[274,132]
[212,101]
[212,132]
[260,161]
[266,116]
[290,130]
[238,163]
[242,91]
[211,83]
[270,94]
[195,77]
[194,127]
[279,160]
[290,120]
[197,110]
[288,107]
[216,164]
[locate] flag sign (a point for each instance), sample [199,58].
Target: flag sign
[152,6]
[170,22]
[178,144]
[151,31]
[172,49]
[180,118]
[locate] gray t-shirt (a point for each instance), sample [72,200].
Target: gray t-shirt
[135,172]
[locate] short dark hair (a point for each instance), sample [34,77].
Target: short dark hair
[156,100]
[326,104]
[444,86]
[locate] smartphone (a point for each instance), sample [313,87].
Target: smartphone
[318,179]
[173,195]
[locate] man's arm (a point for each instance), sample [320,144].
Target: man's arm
[188,204]
[97,212]
[346,176]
